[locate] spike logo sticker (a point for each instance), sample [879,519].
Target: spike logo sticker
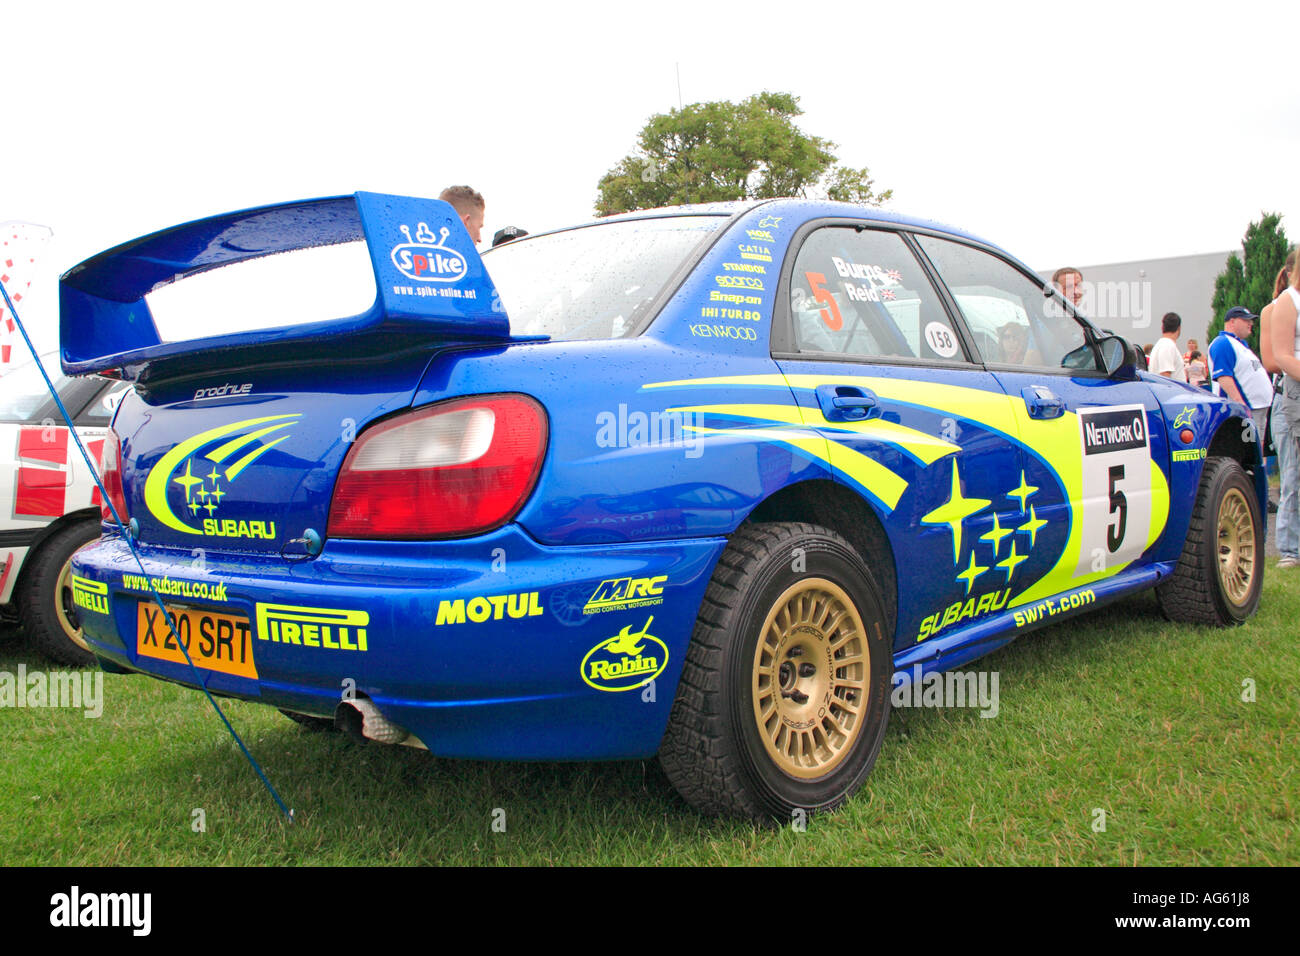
[427,258]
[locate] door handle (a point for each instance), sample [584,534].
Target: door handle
[846,403]
[1041,402]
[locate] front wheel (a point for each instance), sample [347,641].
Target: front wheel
[1221,571]
[784,696]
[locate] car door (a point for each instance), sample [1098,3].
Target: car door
[911,421]
[1101,438]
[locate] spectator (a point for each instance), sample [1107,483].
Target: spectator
[1192,346]
[1070,281]
[469,204]
[1196,370]
[1166,359]
[506,234]
[1015,343]
[1277,340]
[1237,372]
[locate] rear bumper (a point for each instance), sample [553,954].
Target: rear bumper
[477,647]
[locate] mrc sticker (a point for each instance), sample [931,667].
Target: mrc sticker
[622,593]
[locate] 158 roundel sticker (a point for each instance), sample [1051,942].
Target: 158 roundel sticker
[941,339]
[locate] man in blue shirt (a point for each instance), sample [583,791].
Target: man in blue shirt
[1237,372]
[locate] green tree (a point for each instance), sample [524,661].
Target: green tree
[1248,280]
[710,152]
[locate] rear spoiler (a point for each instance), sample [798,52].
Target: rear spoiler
[430,280]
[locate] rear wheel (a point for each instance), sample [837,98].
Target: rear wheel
[1221,572]
[49,616]
[784,696]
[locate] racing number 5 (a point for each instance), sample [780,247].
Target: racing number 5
[830,314]
[1115,532]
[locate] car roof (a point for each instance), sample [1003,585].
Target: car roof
[802,209]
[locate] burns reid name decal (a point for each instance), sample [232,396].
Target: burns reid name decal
[190,481]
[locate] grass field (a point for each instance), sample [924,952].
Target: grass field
[1117,711]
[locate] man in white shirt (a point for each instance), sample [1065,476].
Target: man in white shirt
[1166,357]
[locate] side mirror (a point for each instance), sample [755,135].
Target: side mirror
[1118,357]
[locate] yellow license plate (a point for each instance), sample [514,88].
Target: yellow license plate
[216,642]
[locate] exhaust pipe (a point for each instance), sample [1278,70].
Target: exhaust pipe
[362,721]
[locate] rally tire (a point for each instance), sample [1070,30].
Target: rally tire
[1221,572]
[756,731]
[45,601]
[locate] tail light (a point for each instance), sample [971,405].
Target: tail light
[454,469]
[110,473]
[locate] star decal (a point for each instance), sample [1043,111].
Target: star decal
[216,494]
[214,475]
[212,507]
[769,222]
[1023,492]
[194,507]
[1031,526]
[1012,559]
[972,572]
[954,511]
[996,535]
[187,481]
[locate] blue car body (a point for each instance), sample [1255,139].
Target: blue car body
[968,485]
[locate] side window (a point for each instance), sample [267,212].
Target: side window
[862,293]
[1007,313]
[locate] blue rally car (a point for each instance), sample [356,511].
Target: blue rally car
[699,482]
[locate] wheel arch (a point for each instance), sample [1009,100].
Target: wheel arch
[42,538]
[831,505]
[1230,441]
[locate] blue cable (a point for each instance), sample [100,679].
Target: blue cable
[130,543]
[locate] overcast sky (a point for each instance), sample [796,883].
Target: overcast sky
[1084,134]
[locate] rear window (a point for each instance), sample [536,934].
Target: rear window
[594,282]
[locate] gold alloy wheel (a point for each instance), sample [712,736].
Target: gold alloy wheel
[1236,547]
[810,676]
[64,608]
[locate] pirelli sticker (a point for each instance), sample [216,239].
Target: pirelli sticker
[90,595]
[325,628]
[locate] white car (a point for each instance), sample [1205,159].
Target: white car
[49,505]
